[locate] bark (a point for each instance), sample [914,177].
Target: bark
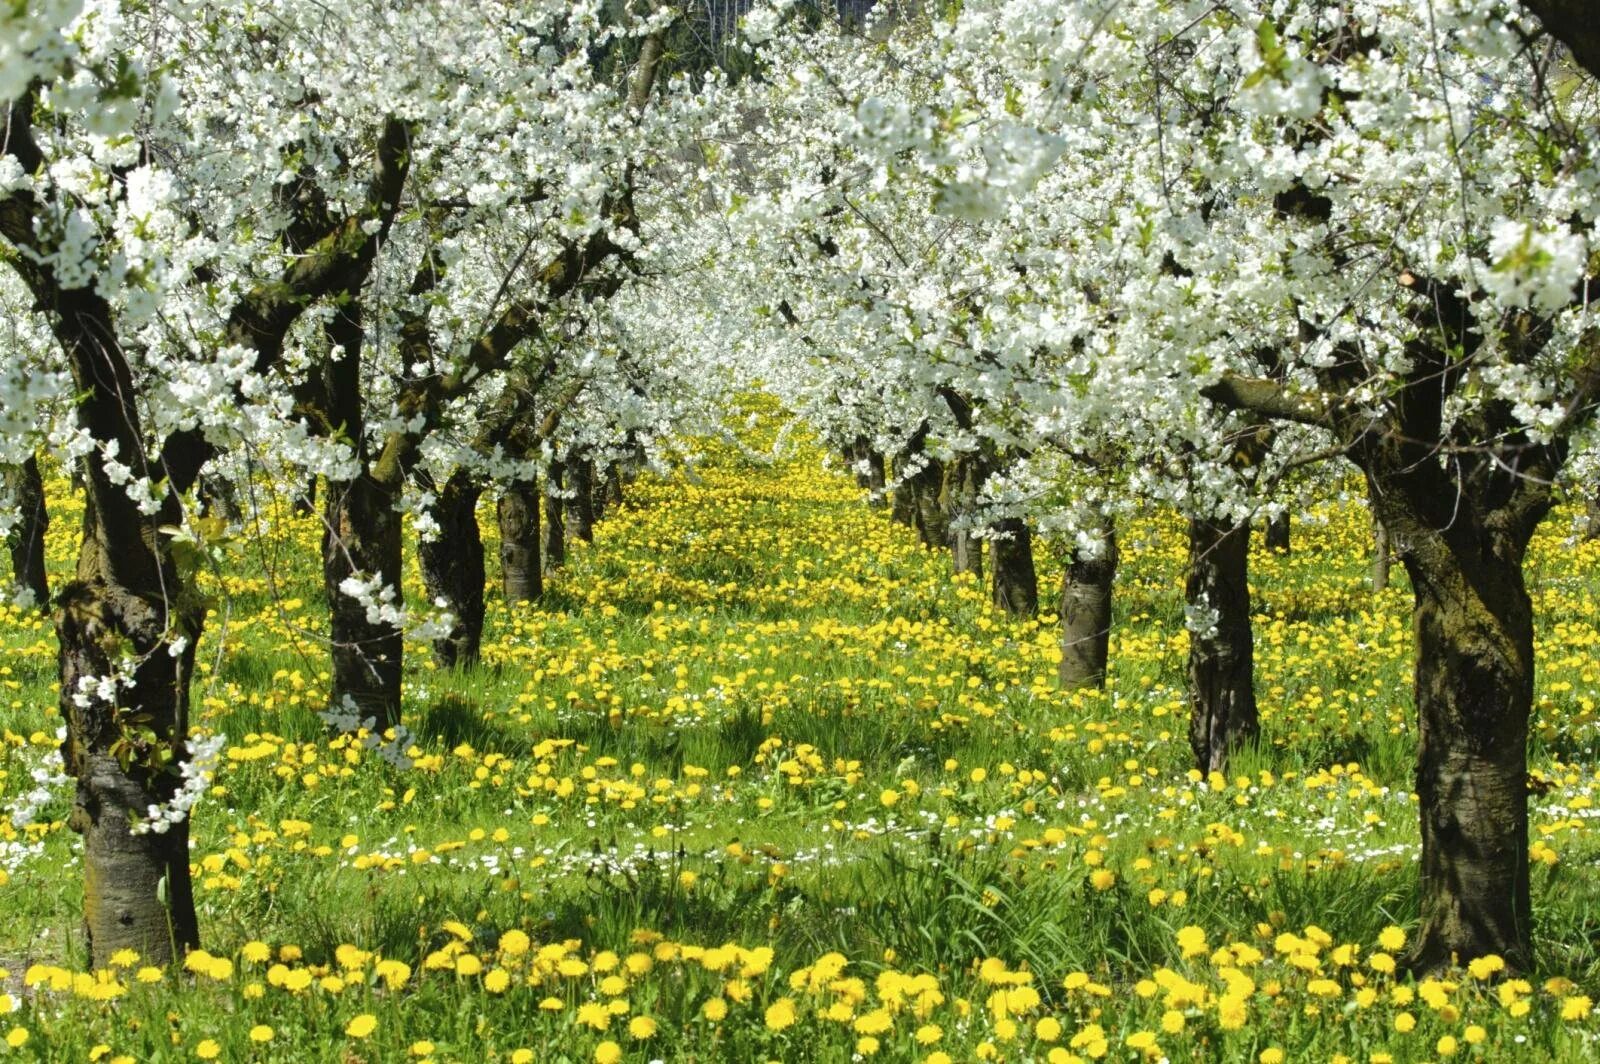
[518,516]
[1222,699]
[1277,533]
[27,538]
[1473,621]
[875,478]
[555,525]
[932,520]
[961,491]
[580,478]
[614,484]
[362,538]
[903,505]
[137,890]
[1016,582]
[1086,614]
[599,491]
[1381,553]
[453,570]
[853,456]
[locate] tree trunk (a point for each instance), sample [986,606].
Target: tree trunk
[518,516]
[1086,614]
[903,505]
[555,524]
[961,493]
[1016,583]
[1474,693]
[875,479]
[362,539]
[122,752]
[855,457]
[932,520]
[1222,699]
[581,512]
[1277,535]
[1381,552]
[452,570]
[27,538]
[614,484]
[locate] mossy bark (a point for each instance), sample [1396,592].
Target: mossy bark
[1086,596]
[1474,693]
[1472,620]
[517,514]
[137,891]
[453,570]
[1222,701]
[27,538]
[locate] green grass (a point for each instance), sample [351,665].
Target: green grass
[689,742]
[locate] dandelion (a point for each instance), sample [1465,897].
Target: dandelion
[361,1026]
[780,1015]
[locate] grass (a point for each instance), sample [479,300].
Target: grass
[758,752]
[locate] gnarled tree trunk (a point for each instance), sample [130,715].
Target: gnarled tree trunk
[517,514]
[1222,700]
[452,569]
[121,750]
[1016,582]
[27,538]
[1086,614]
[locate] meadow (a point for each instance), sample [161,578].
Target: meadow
[759,779]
